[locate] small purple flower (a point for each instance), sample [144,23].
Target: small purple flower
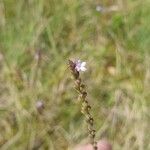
[40,106]
[80,66]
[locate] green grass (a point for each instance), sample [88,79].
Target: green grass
[115,46]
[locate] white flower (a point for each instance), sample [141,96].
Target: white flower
[99,8]
[80,66]
[39,104]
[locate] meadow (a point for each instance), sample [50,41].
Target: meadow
[38,104]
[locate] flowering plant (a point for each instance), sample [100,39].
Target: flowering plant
[75,68]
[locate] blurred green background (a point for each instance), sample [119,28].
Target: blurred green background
[38,104]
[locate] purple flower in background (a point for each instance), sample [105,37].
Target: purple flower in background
[40,106]
[99,8]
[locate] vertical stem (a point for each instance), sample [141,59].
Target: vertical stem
[85,108]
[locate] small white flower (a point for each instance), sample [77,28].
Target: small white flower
[80,66]
[99,8]
[39,104]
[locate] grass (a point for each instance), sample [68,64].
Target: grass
[116,48]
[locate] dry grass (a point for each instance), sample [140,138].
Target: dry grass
[37,37]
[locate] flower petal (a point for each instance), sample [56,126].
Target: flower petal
[80,66]
[83,69]
[83,63]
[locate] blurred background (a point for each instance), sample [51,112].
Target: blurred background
[38,104]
